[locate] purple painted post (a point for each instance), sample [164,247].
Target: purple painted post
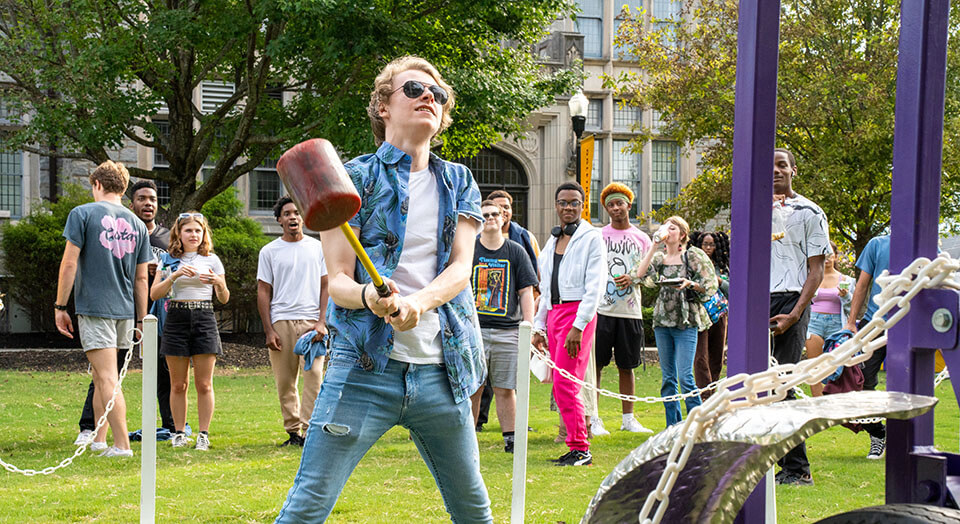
[754,132]
[914,220]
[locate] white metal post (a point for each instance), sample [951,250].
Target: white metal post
[520,427]
[148,423]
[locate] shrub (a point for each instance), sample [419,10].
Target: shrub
[237,241]
[31,250]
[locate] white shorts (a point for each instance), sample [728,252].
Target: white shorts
[100,332]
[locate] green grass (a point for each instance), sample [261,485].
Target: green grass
[245,476]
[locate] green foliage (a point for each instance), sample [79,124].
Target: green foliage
[237,241]
[92,75]
[835,105]
[31,250]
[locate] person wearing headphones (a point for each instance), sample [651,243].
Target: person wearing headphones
[573,275]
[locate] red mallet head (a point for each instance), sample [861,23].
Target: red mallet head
[318,184]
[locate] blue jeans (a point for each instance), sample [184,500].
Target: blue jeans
[676,348]
[355,408]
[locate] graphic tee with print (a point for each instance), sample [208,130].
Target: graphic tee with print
[497,277]
[112,241]
[625,251]
[805,236]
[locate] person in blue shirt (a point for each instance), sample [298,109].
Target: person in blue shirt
[414,358]
[874,260]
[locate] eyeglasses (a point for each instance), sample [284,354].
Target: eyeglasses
[198,216]
[569,203]
[413,89]
[488,215]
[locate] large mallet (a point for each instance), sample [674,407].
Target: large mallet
[320,187]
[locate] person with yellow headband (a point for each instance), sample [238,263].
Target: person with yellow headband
[619,316]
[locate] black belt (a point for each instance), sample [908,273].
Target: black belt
[563,302]
[191,304]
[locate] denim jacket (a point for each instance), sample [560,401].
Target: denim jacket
[382,181]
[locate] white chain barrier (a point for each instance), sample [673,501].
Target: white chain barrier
[103,420]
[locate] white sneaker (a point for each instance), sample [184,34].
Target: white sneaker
[98,446]
[84,437]
[203,442]
[179,440]
[634,426]
[114,451]
[596,427]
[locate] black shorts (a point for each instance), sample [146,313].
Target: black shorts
[625,334]
[188,332]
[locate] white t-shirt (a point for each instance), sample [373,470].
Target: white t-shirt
[416,268]
[294,269]
[191,288]
[806,236]
[625,251]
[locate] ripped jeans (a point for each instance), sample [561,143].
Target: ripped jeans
[356,407]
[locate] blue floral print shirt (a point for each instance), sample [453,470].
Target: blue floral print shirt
[382,181]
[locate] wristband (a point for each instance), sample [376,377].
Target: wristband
[58,307]
[363,297]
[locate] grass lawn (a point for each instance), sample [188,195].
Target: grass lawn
[245,476]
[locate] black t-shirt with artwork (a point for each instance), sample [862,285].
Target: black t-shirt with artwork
[497,276]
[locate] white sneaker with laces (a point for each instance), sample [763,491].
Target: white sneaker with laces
[98,446]
[877,447]
[114,451]
[634,426]
[179,440]
[203,442]
[83,437]
[596,427]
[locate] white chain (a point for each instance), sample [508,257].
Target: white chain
[103,420]
[773,383]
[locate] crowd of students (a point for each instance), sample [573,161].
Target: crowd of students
[463,276]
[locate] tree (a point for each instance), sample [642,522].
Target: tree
[88,75]
[835,105]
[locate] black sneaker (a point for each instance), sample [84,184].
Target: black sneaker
[294,440]
[508,447]
[795,479]
[562,457]
[479,428]
[877,447]
[576,458]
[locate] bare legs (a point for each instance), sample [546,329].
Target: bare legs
[814,350]
[203,366]
[103,362]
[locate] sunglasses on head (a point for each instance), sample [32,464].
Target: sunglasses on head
[414,89]
[190,215]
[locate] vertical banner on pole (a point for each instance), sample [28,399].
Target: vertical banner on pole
[148,451]
[521,425]
[586,172]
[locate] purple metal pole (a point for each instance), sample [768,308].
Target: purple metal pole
[754,130]
[914,220]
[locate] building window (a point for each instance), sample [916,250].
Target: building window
[596,180]
[160,163]
[665,181]
[494,170]
[625,116]
[622,52]
[265,186]
[11,183]
[590,24]
[656,122]
[214,94]
[626,170]
[666,16]
[595,115]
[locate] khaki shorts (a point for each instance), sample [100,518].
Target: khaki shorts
[100,333]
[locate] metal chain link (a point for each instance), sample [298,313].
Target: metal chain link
[103,420]
[773,384]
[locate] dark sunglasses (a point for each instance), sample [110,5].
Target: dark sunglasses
[414,89]
[488,215]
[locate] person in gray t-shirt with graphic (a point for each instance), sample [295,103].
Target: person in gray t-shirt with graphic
[105,265]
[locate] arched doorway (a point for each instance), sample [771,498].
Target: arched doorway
[493,169]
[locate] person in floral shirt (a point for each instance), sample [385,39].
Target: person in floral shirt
[413,358]
[676,318]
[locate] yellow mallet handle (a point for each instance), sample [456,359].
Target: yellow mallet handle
[382,289]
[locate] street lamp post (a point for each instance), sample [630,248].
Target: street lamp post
[578,114]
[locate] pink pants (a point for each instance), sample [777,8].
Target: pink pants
[567,393]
